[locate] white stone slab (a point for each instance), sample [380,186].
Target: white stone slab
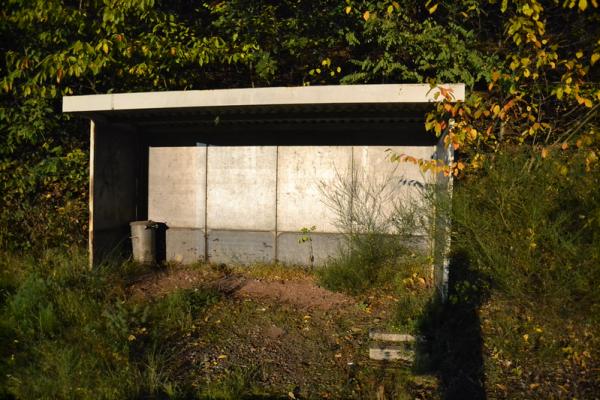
[302,172]
[176,186]
[241,187]
[338,94]
[392,337]
[391,353]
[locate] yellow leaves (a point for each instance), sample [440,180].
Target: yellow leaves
[595,57]
[579,54]
[496,109]
[472,134]
[348,9]
[433,8]
[583,4]
[544,152]
[526,337]
[366,15]
[131,338]
[105,47]
[590,159]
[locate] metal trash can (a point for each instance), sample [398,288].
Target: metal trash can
[143,241]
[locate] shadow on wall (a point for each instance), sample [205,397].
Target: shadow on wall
[453,331]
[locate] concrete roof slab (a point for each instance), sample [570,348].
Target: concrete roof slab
[275,96]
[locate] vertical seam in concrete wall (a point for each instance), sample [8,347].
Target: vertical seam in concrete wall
[352,175]
[91,196]
[276,250]
[206,205]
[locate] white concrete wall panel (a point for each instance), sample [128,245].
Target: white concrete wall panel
[241,247]
[185,245]
[177,186]
[241,187]
[399,183]
[302,172]
[292,251]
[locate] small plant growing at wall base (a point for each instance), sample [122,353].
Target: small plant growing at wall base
[307,238]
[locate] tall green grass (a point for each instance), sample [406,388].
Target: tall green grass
[71,332]
[532,226]
[528,230]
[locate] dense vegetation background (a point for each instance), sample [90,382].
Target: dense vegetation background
[527,136]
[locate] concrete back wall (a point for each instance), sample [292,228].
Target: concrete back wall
[243,204]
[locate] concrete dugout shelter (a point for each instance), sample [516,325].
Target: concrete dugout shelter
[237,173]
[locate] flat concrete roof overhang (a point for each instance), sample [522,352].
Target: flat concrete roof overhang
[348,103]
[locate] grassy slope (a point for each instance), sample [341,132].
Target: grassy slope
[68,332]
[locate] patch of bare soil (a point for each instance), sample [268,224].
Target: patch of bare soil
[302,293]
[164,281]
[278,335]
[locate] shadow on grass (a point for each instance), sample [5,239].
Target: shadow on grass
[452,328]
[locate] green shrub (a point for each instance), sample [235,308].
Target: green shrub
[370,260]
[533,227]
[71,332]
[529,229]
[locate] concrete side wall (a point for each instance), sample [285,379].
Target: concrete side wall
[303,175]
[177,186]
[114,192]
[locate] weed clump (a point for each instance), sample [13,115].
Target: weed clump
[68,331]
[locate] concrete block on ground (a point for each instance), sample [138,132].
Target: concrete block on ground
[240,247]
[391,353]
[392,337]
[185,245]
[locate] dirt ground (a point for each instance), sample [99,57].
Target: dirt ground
[284,336]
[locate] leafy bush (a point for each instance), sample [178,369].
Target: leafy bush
[532,226]
[528,230]
[381,224]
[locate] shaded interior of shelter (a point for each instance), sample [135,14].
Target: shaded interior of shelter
[122,143]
